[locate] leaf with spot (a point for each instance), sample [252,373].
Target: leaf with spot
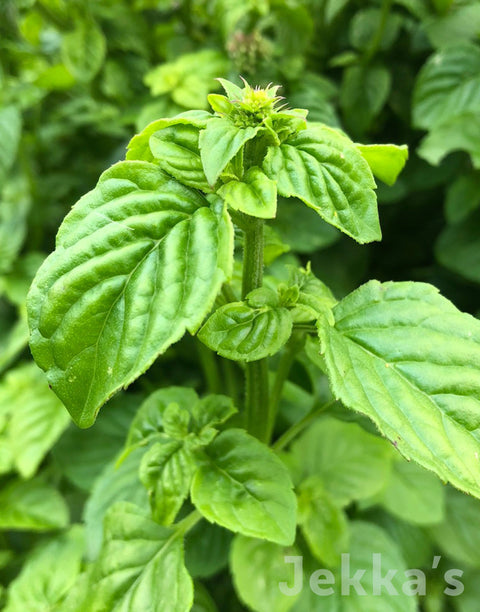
[138,261]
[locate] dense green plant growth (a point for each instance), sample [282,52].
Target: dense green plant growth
[222,272]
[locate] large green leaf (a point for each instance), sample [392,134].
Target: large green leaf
[243,486]
[325,170]
[140,565]
[257,568]
[448,85]
[219,143]
[10,131]
[36,417]
[32,505]
[139,260]
[406,357]
[239,332]
[48,574]
[350,463]
[207,547]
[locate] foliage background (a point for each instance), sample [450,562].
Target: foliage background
[77,79]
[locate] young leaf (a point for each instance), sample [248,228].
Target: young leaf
[257,568]
[139,147]
[219,143]
[239,332]
[448,85]
[324,524]
[48,574]
[424,396]
[255,194]
[325,170]
[166,471]
[243,486]
[385,161]
[139,260]
[33,506]
[175,149]
[350,463]
[140,562]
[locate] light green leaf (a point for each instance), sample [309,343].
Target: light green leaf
[255,194]
[350,463]
[36,417]
[10,132]
[14,208]
[448,85]
[166,471]
[324,524]
[48,574]
[14,341]
[83,50]
[114,484]
[139,147]
[257,568]
[457,23]
[243,486]
[424,396]
[413,494]
[458,536]
[458,247]
[239,332]
[141,562]
[32,505]
[175,149]
[219,143]
[386,161]
[139,260]
[325,170]
[461,133]
[212,410]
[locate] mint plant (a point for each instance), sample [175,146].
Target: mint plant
[173,240]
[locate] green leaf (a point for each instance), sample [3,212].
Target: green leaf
[239,332]
[219,143]
[83,50]
[48,574]
[458,247]
[243,486]
[114,484]
[350,463]
[448,85]
[364,93]
[367,22]
[175,149]
[140,562]
[36,418]
[166,470]
[14,341]
[203,602]
[424,396]
[386,161]
[10,132]
[255,194]
[461,133]
[458,23]
[139,260]
[458,536]
[325,170]
[463,196]
[32,505]
[413,494]
[257,568]
[212,410]
[139,147]
[324,524]
[207,547]
[15,204]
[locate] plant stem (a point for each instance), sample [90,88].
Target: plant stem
[377,39]
[297,428]
[286,361]
[257,405]
[209,365]
[189,522]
